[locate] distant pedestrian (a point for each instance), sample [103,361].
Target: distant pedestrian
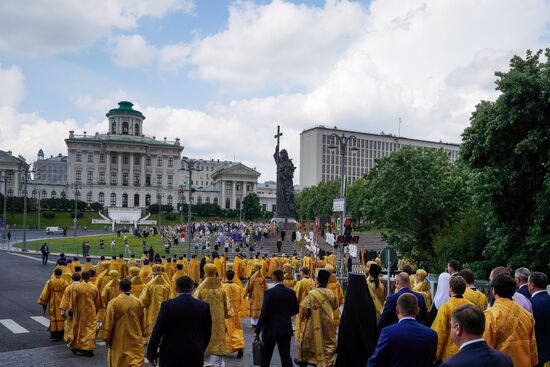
[127,247]
[9,236]
[101,244]
[113,247]
[45,252]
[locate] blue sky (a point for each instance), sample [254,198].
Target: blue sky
[222,74]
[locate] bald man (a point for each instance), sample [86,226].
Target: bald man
[389,314]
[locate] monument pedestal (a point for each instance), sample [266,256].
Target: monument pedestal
[285,224]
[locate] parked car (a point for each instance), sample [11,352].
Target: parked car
[54,230]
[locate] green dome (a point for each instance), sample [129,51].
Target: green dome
[125,108]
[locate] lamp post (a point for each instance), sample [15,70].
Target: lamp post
[76,186]
[189,165]
[4,179]
[159,203]
[343,141]
[38,216]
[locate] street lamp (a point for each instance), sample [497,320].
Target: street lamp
[343,141]
[76,186]
[159,203]
[189,165]
[4,179]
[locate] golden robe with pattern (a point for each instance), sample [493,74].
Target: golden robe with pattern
[154,293]
[289,281]
[302,288]
[194,271]
[219,267]
[477,297]
[510,329]
[178,274]
[84,304]
[212,292]
[234,340]
[124,328]
[238,267]
[145,273]
[51,296]
[378,295]
[137,286]
[255,289]
[111,291]
[318,343]
[65,306]
[424,289]
[446,348]
[336,289]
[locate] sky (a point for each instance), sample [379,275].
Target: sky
[221,75]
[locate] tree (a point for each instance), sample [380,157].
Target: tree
[507,147]
[251,208]
[355,195]
[316,200]
[415,194]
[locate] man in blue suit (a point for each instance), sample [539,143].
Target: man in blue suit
[389,315]
[467,327]
[275,324]
[182,329]
[521,276]
[540,299]
[406,343]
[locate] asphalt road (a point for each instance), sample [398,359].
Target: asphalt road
[21,278]
[17,236]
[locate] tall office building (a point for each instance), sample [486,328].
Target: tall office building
[320,163]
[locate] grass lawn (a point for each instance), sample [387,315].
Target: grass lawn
[73,245]
[61,219]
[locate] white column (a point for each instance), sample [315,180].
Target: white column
[16,188]
[108,168]
[119,169]
[222,199]
[244,191]
[233,196]
[131,178]
[142,180]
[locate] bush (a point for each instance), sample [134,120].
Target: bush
[170,216]
[96,206]
[48,214]
[79,214]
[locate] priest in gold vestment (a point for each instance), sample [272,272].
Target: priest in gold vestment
[234,341]
[123,329]
[255,289]
[84,304]
[64,308]
[154,293]
[423,287]
[336,288]
[318,344]
[50,298]
[302,288]
[376,287]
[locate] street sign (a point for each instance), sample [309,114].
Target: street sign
[388,256]
[338,204]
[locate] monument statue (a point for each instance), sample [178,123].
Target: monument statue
[286,204]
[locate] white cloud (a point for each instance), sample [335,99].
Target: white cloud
[53,26]
[134,51]
[102,105]
[12,86]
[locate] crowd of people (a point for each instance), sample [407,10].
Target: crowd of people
[189,310]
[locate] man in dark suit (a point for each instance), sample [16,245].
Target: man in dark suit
[406,343]
[540,299]
[182,329]
[521,276]
[389,315]
[275,324]
[467,327]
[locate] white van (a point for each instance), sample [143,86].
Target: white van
[54,230]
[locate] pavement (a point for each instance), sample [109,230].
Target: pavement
[24,332]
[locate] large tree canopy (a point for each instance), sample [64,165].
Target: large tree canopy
[415,194]
[251,206]
[507,148]
[315,200]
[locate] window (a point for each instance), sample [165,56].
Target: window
[264,207]
[147,200]
[89,198]
[169,200]
[248,187]
[77,195]
[102,158]
[159,180]
[147,180]
[90,157]
[113,127]
[136,129]
[90,176]
[136,179]
[77,175]
[199,200]
[170,180]
[113,179]
[34,194]
[159,162]
[10,192]
[63,195]
[227,203]
[78,157]
[125,159]
[170,162]
[101,198]
[125,127]
[113,199]
[238,204]
[125,179]
[148,161]
[137,160]
[113,158]
[238,187]
[102,177]
[216,201]
[53,194]
[208,200]
[228,185]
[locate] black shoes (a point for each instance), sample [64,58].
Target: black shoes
[240,354]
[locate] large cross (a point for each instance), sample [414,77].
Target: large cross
[278,135]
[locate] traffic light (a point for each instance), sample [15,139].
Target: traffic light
[347,230]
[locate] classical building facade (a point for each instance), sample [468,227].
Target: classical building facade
[12,174]
[50,170]
[320,162]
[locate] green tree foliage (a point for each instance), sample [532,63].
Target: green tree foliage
[315,200]
[251,207]
[507,147]
[415,194]
[355,195]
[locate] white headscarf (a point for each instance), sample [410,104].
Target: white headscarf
[442,293]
